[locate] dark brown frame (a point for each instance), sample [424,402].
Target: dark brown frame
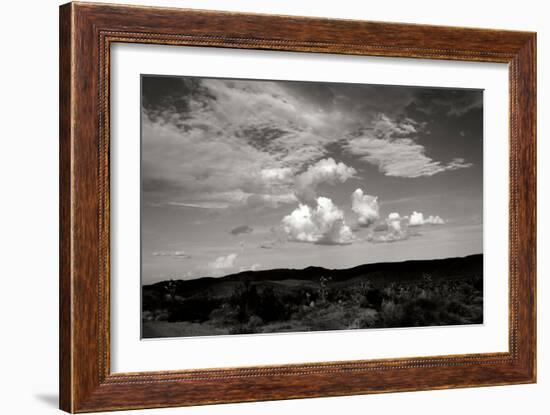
[86,33]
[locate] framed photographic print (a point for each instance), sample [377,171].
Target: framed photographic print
[260,207]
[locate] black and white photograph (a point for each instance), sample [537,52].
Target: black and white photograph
[273,206]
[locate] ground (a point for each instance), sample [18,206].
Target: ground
[427,293]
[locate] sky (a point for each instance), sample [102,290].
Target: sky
[251,174]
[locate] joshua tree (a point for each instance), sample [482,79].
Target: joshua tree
[323,289]
[364,287]
[427,279]
[171,288]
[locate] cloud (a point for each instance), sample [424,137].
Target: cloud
[402,157]
[240,230]
[322,225]
[434,220]
[324,171]
[381,227]
[253,267]
[210,137]
[395,231]
[366,207]
[200,205]
[458,163]
[391,146]
[417,219]
[451,102]
[394,222]
[277,174]
[273,201]
[386,128]
[172,254]
[234,199]
[230,144]
[224,262]
[220,144]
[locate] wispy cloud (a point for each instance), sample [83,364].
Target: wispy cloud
[392,147]
[172,254]
[395,229]
[450,102]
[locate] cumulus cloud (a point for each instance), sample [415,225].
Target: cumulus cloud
[392,147]
[381,227]
[323,224]
[394,221]
[224,262]
[395,231]
[417,219]
[434,220]
[324,171]
[366,207]
[241,229]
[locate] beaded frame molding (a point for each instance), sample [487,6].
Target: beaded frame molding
[86,33]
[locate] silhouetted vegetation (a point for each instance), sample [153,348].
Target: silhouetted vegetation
[439,292]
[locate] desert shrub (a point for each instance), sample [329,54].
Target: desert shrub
[150,300]
[266,304]
[363,302]
[253,325]
[478,301]
[375,298]
[225,314]
[390,315]
[147,316]
[270,307]
[477,283]
[372,298]
[193,309]
[466,290]
[457,307]
[421,312]
[366,322]
[245,299]
[161,315]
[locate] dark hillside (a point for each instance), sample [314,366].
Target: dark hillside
[394,294]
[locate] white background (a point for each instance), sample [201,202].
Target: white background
[129,354]
[28,227]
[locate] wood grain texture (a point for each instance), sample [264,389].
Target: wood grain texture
[86,33]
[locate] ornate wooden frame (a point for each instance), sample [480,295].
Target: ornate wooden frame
[86,33]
